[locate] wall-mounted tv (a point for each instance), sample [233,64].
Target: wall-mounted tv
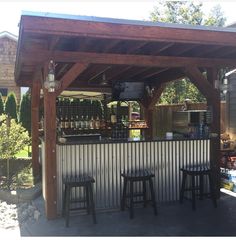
[127,90]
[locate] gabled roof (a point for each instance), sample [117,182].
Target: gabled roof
[8,35]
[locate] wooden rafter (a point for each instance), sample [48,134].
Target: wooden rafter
[122,59]
[70,76]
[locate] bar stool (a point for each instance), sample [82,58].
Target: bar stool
[137,176]
[85,182]
[193,172]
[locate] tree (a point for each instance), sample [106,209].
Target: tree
[1,105]
[11,106]
[25,112]
[184,12]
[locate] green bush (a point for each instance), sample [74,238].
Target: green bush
[25,112]
[13,137]
[11,105]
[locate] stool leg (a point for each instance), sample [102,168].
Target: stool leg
[144,194]
[201,187]
[193,194]
[182,187]
[67,204]
[213,197]
[64,201]
[91,202]
[131,209]
[153,196]
[124,195]
[86,190]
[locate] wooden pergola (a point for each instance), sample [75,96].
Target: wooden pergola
[86,47]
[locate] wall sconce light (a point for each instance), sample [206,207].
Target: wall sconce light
[50,83]
[224,86]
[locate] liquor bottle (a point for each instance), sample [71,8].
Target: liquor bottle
[86,122]
[91,123]
[72,124]
[66,122]
[113,116]
[77,122]
[97,123]
[82,123]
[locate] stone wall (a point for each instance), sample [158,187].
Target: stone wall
[8,48]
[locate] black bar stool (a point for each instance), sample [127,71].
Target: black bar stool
[84,181]
[200,171]
[137,176]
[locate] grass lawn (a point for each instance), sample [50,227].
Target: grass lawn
[23,153]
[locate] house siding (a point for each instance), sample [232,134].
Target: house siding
[8,48]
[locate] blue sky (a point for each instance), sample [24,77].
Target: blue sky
[10,11]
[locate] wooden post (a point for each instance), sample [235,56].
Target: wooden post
[148,114]
[50,166]
[206,86]
[35,100]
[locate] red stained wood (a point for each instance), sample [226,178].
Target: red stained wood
[69,27]
[71,75]
[123,59]
[35,103]
[212,95]
[50,169]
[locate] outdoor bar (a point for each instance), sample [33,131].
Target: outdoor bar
[120,61]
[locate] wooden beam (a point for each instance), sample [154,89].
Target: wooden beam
[201,82]
[212,95]
[50,164]
[123,59]
[70,76]
[35,103]
[127,30]
[212,75]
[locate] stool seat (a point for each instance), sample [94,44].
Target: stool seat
[137,176]
[193,172]
[79,179]
[85,181]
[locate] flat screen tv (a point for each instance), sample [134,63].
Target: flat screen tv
[127,90]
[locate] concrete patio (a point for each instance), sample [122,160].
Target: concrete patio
[173,219]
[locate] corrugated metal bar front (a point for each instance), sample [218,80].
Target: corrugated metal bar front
[105,162]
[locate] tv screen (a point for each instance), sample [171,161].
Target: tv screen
[124,90]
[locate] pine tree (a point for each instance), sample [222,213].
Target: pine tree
[11,105]
[25,112]
[1,105]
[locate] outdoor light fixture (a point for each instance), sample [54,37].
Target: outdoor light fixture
[224,85]
[51,84]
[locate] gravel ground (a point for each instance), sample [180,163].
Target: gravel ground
[16,215]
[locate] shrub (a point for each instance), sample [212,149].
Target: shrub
[25,112]
[13,137]
[11,105]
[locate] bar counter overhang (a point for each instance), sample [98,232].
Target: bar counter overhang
[154,53]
